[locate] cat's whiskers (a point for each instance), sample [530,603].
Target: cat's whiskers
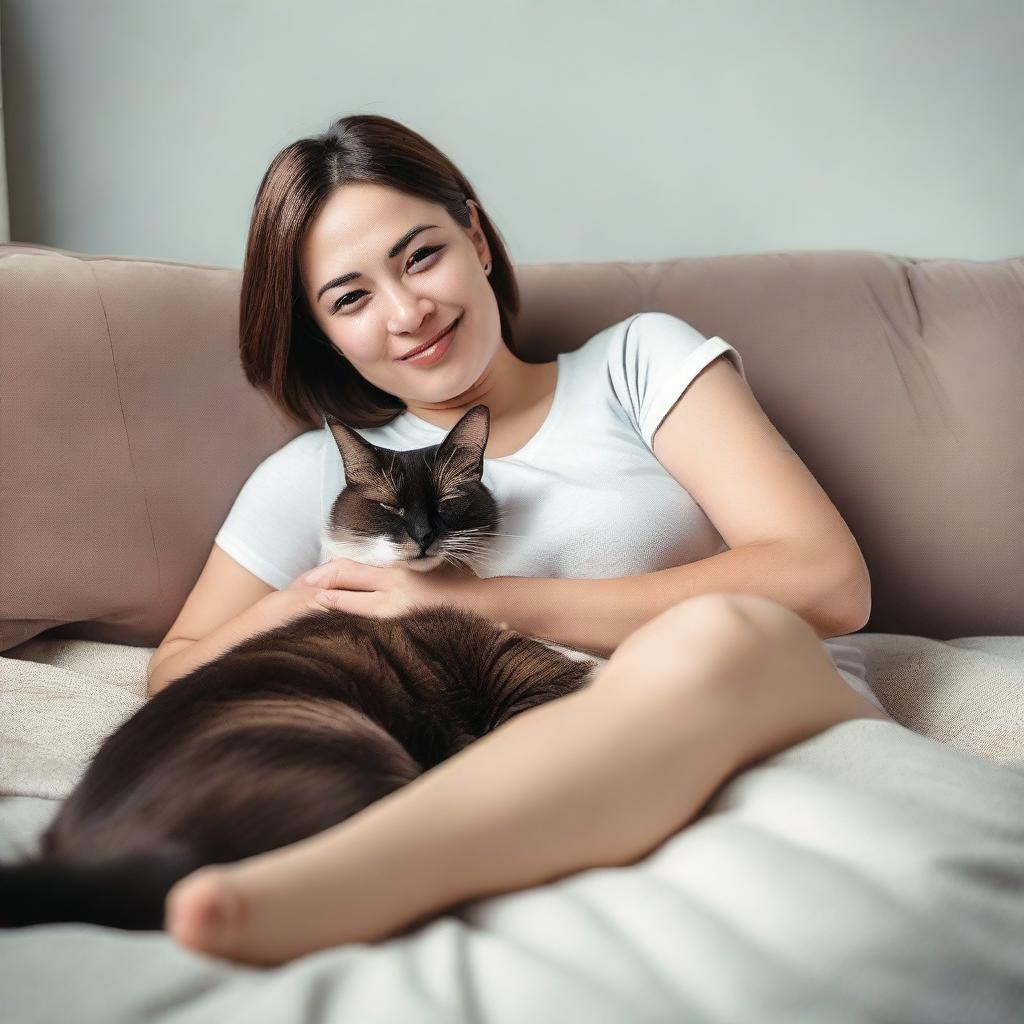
[478,542]
[493,533]
[480,531]
[462,563]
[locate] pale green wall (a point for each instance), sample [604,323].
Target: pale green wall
[592,131]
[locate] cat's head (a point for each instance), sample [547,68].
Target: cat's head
[421,507]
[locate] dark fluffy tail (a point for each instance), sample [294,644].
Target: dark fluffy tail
[128,892]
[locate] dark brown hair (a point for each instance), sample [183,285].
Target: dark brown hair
[283,350]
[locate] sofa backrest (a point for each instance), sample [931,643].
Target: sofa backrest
[127,427]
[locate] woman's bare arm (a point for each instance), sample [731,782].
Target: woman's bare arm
[598,614]
[176,658]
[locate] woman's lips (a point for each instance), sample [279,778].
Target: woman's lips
[433,352]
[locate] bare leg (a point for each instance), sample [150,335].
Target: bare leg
[600,777]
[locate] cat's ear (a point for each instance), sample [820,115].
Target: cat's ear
[358,456]
[462,451]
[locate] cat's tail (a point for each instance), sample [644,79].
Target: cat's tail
[128,892]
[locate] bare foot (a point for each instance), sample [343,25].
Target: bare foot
[277,906]
[224,910]
[207,911]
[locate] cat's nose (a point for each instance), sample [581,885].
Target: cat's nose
[424,537]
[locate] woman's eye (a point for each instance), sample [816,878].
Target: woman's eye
[341,302]
[429,250]
[423,254]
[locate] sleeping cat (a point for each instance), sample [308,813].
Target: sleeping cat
[296,729]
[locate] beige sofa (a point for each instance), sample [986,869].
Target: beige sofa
[127,429]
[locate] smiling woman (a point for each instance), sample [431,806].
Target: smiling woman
[428,291]
[409,233]
[366,244]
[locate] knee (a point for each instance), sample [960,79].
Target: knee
[766,620]
[718,644]
[764,656]
[734,633]
[755,655]
[732,623]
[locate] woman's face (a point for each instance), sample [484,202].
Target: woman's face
[389,305]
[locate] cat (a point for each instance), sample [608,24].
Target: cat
[296,729]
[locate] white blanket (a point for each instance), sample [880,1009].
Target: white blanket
[869,873]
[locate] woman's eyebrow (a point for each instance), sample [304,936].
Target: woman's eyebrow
[337,282]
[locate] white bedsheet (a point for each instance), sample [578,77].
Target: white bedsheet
[868,874]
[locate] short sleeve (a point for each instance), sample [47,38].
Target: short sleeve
[273,528]
[652,361]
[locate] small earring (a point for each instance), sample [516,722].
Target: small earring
[487,269]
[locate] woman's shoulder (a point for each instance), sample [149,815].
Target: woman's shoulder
[626,341]
[646,326]
[311,442]
[296,457]
[653,324]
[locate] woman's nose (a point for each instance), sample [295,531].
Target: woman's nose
[408,312]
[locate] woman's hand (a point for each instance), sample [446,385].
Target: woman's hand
[283,606]
[386,591]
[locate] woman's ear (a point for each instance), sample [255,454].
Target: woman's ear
[476,234]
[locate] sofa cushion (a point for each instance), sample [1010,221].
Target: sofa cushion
[127,427]
[126,430]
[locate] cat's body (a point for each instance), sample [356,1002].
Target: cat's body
[295,730]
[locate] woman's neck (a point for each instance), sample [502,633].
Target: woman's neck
[507,387]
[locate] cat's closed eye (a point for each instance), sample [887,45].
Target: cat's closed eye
[452,507]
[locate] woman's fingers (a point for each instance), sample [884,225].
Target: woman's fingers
[357,601]
[342,573]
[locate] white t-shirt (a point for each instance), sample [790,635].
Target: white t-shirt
[585,497]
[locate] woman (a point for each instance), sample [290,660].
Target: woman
[366,243]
